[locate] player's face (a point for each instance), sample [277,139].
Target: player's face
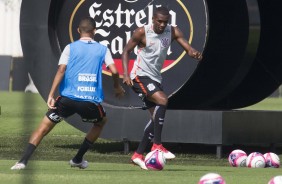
[160,22]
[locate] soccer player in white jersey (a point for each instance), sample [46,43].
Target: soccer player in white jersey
[145,77]
[79,79]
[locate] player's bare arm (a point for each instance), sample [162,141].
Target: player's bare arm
[118,89]
[179,37]
[138,38]
[58,78]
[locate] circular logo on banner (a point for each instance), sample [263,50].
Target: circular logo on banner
[115,25]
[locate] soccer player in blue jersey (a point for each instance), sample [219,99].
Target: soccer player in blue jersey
[79,79]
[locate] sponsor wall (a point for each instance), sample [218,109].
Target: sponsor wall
[115,24]
[232,75]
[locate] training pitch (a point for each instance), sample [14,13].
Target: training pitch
[21,113]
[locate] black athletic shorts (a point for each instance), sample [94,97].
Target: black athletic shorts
[88,111]
[145,86]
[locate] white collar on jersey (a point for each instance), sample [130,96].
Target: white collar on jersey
[87,39]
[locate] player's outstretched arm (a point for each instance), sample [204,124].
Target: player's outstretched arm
[179,37]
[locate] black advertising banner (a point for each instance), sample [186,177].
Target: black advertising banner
[234,48]
[116,20]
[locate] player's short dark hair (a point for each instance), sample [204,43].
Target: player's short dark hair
[161,10]
[87,25]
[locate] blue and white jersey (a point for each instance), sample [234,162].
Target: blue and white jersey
[83,75]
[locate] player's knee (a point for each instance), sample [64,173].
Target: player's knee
[162,100]
[159,98]
[102,122]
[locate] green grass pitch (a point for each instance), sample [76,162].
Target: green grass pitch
[21,113]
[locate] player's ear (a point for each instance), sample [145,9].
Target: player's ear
[94,31]
[78,30]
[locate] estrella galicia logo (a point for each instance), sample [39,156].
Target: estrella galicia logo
[116,21]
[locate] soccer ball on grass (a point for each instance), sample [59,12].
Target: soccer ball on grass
[276,180]
[211,178]
[155,160]
[255,160]
[237,158]
[271,160]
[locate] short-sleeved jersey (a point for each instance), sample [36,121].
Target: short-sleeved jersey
[83,77]
[150,58]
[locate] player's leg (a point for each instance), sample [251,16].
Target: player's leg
[159,98]
[88,142]
[52,117]
[93,114]
[138,158]
[139,87]
[158,115]
[155,99]
[44,128]
[147,137]
[96,130]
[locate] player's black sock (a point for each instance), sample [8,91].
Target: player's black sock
[82,150]
[158,123]
[28,152]
[147,137]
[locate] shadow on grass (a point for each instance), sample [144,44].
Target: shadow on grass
[100,147]
[179,148]
[111,147]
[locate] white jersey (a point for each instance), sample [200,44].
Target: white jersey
[150,58]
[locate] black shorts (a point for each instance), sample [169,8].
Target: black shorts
[144,87]
[88,111]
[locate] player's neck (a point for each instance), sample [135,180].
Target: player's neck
[87,38]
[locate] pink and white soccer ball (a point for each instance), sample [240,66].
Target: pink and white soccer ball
[211,178]
[255,160]
[237,158]
[276,180]
[271,160]
[155,160]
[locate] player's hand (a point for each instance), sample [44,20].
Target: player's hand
[119,91]
[51,103]
[195,54]
[127,80]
